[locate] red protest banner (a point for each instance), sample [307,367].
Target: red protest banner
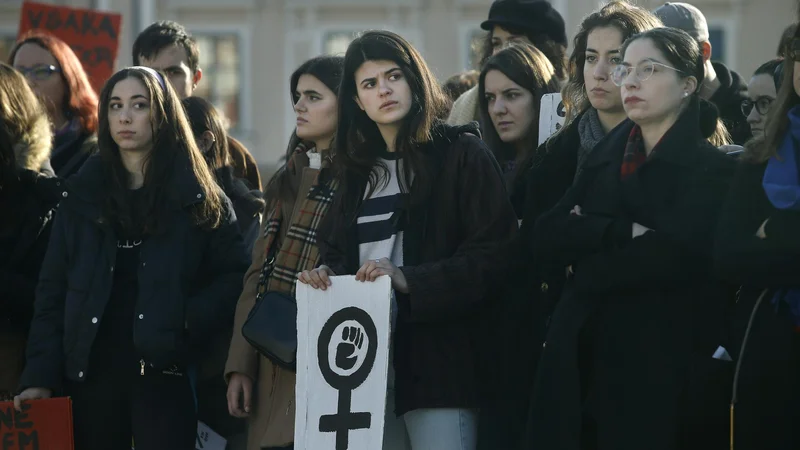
[42,425]
[93,35]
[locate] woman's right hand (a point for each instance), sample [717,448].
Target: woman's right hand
[239,385]
[318,278]
[32,393]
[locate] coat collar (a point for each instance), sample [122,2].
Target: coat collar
[676,147]
[88,184]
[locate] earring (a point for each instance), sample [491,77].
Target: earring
[685,94]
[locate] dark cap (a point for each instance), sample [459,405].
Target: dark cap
[686,17]
[536,16]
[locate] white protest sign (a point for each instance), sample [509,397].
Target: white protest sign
[342,364]
[551,116]
[208,439]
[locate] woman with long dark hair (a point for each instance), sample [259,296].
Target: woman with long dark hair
[510,90]
[449,215]
[298,198]
[758,248]
[628,362]
[28,196]
[143,267]
[56,75]
[594,107]
[212,139]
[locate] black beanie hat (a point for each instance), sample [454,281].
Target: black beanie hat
[530,15]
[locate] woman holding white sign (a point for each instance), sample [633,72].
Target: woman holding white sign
[423,203]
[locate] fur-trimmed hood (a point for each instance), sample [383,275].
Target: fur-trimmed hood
[32,152]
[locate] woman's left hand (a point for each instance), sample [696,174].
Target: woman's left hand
[375,268]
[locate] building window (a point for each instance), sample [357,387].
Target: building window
[222,74]
[336,42]
[716,36]
[475,40]
[6,44]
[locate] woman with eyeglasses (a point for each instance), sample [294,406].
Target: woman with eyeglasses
[628,364]
[762,90]
[57,77]
[758,248]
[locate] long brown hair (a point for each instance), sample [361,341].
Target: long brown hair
[626,18]
[526,66]
[81,100]
[25,133]
[204,117]
[358,137]
[760,150]
[172,140]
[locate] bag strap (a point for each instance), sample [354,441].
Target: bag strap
[269,265]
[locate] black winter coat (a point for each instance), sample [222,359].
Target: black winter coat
[451,246]
[521,317]
[247,204]
[188,282]
[71,158]
[628,359]
[768,390]
[27,212]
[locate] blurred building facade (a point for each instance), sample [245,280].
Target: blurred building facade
[250,47]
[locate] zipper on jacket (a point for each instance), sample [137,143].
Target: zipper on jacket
[141,363]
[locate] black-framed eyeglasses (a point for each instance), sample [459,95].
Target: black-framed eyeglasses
[40,72]
[643,71]
[761,104]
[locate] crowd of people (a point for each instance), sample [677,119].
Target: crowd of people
[631,283]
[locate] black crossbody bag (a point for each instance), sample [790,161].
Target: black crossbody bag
[271,326]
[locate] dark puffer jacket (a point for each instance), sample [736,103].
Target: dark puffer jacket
[189,279]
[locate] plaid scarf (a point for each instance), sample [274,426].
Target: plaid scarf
[634,155]
[298,251]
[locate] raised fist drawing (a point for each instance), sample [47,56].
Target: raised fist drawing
[352,340]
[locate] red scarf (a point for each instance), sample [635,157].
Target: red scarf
[634,155]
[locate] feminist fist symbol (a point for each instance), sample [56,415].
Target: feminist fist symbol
[352,340]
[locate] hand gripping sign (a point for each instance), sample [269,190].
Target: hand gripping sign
[342,364]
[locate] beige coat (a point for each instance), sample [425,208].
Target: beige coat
[271,422]
[465,108]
